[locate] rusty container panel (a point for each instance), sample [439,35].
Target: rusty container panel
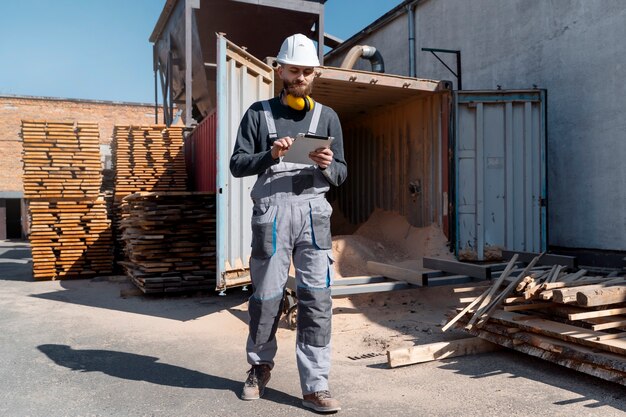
[201,154]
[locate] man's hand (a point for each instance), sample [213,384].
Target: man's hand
[281,146]
[322,157]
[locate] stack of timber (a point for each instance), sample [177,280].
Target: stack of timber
[569,318]
[70,232]
[170,241]
[61,160]
[148,158]
[70,239]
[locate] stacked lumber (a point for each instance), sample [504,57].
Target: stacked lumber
[70,232]
[569,318]
[61,160]
[148,158]
[70,239]
[170,241]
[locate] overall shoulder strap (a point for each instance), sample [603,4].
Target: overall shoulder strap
[315,120]
[269,119]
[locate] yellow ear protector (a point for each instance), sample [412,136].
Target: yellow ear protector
[299,103]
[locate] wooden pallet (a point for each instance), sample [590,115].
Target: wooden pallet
[170,241]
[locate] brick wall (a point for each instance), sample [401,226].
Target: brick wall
[14,109]
[11,165]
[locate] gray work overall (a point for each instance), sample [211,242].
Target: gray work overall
[291,218]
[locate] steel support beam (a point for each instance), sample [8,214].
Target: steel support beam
[458,74]
[359,285]
[163,76]
[320,35]
[155,68]
[337,290]
[189,6]
[547,259]
[455,267]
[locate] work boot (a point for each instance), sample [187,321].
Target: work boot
[321,401]
[254,387]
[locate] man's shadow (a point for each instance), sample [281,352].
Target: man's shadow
[146,368]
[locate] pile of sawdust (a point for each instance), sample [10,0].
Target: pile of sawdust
[387,237]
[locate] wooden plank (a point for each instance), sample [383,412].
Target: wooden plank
[568,284]
[546,259]
[182,223]
[561,331]
[568,295]
[438,351]
[485,312]
[575,276]
[464,311]
[610,336]
[486,301]
[512,300]
[532,306]
[470,289]
[601,296]
[571,356]
[555,275]
[565,349]
[414,277]
[598,313]
[610,325]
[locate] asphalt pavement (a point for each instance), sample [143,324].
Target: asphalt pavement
[85,348]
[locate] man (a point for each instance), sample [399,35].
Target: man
[291,219]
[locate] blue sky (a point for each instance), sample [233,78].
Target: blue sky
[94,49]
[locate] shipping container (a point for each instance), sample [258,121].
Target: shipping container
[471,162]
[393,140]
[500,159]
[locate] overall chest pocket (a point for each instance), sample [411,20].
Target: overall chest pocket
[263,231]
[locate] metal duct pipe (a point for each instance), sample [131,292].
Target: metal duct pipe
[367,52]
[410,10]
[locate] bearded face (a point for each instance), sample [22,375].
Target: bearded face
[298,87]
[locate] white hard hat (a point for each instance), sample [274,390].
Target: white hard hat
[298,50]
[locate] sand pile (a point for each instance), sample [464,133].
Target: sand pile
[387,237]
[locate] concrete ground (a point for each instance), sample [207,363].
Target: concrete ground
[80,348]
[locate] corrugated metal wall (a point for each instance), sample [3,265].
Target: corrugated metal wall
[201,154]
[501,172]
[241,80]
[394,162]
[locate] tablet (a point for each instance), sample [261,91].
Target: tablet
[304,144]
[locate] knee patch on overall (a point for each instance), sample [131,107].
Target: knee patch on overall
[264,316]
[314,316]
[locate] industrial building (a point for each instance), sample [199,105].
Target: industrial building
[574,50]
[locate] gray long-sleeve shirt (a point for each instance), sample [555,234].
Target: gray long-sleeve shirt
[252,153]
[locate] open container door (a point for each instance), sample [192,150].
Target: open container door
[500,167]
[242,80]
